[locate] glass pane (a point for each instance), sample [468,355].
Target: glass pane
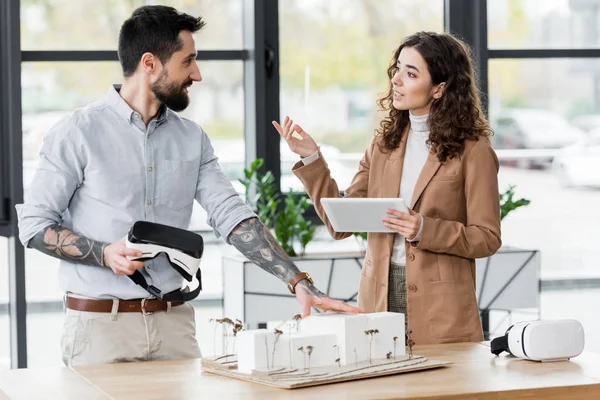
[334,59]
[50,91]
[541,106]
[544,24]
[95,24]
[4,298]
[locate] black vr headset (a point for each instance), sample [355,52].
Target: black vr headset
[183,249]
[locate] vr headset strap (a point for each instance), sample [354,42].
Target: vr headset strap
[498,344]
[176,295]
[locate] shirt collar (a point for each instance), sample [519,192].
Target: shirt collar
[114,99]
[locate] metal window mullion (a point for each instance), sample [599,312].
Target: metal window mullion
[261,83]
[10,82]
[111,55]
[543,53]
[468,20]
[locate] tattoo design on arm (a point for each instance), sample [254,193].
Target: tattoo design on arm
[256,242]
[59,242]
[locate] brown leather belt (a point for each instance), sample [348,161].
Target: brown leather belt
[105,306]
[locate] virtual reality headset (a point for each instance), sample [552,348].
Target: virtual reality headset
[551,340]
[183,249]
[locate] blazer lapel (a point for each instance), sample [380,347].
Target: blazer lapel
[392,171]
[392,174]
[429,169]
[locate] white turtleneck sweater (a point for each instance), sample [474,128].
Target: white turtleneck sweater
[414,160]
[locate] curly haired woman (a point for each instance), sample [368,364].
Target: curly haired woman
[432,150]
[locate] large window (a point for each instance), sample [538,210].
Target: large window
[52,87]
[541,84]
[549,107]
[51,90]
[544,106]
[334,57]
[543,24]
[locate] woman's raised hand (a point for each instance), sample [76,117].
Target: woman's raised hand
[304,146]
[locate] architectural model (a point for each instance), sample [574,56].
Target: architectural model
[322,340]
[321,349]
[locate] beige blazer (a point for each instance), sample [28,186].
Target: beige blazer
[460,206]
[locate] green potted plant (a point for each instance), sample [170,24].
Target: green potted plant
[508,204]
[284,217]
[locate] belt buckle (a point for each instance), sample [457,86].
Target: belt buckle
[144,308]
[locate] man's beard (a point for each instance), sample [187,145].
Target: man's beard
[171,94]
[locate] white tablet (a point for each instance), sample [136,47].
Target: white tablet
[360,214]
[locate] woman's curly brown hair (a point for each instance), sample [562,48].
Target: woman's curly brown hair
[453,118]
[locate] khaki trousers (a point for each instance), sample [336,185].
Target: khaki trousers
[103,338]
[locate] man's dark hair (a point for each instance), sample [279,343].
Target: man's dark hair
[153,29]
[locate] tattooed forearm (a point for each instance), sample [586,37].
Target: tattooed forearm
[257,243]
[59,242]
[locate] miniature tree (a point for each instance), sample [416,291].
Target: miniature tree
[290,342]
[371,333]
[277,334]
[337,360]
[309,352]
[214,322]
[410,343]
[266,349]
[224,322]
[301,349]
[297,318]
[395,339]
[237,326]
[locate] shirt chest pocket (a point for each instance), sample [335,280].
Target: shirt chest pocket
[177,183]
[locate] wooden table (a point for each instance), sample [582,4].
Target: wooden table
[474,374]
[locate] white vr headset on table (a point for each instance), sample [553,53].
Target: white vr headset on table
[550,340]
[183,249]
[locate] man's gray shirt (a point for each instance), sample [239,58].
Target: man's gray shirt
[100,170]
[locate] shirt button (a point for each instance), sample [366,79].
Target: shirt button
[149,202]
[411,257]
[412,288]
[149,169]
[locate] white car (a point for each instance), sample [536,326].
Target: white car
[587,123]
[578,164]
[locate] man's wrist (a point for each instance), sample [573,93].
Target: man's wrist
[103,257]
[311,288]
[296,279]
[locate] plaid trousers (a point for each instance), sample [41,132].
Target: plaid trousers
[397,291]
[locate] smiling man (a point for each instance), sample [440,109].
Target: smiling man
[126,158]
